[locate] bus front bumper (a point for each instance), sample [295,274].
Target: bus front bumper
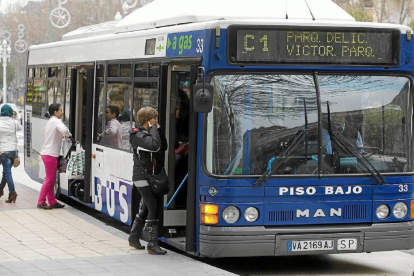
[273,241]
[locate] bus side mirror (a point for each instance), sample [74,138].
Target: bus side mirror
[203,97]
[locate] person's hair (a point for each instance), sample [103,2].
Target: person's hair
[145,114]
[114,109]
[52,109]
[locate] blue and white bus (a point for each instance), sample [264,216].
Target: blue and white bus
[306,149]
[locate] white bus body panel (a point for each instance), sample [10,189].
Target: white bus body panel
[111,179]
[104,48]
[38,133]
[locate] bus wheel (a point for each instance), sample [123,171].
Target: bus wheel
[80,191]
[56,188]
[73,185]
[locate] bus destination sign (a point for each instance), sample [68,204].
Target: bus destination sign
[379,47]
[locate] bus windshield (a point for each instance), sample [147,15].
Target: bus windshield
[262,118]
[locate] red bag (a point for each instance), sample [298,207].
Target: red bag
[182,150]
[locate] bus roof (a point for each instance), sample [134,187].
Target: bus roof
[162,13]
[127,38]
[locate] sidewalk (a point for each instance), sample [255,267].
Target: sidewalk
[68,242]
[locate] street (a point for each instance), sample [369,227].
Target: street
[380,263]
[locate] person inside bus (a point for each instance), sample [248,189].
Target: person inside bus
[120,106]
[113,129]
[8,148]
[339,124]
[149,147]
[55,130]
[181,125]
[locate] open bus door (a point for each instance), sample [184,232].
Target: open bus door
[180,204]
[82,96]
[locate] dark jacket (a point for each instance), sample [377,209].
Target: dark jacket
[148,142]
[159,156]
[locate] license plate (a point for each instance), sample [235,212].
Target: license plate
[310,245]
[347,244]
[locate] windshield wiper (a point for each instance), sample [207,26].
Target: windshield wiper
[353,149]
[281,157]
[346,145]
[272,166]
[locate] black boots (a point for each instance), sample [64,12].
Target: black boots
[151,232]
[136,231]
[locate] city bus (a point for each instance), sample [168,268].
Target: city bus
[289,124]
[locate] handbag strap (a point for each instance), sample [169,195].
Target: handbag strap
[154,162]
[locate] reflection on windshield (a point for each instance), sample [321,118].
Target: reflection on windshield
[370,112]
[256,117]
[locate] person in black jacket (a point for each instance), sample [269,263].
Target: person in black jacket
[149,144]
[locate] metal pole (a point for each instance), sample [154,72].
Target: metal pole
[4,76]
[3,55]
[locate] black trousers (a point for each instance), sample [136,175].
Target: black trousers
[150,207]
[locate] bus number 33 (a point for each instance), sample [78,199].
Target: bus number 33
[403,188]
[200,46]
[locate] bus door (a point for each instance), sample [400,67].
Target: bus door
[81,94]
[112,159]
[180,135]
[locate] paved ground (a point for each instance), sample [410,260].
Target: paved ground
[68,242]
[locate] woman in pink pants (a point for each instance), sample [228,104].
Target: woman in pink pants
[54,133]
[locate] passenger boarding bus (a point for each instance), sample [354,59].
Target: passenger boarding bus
[290,125]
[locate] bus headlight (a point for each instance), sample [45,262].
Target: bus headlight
[382,211]
[231,214]
[400,210]
[251,214]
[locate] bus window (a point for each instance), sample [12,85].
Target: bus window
[39,98]
[66,117]
[54,92]
[43,73]
[100,69]
[141,70]
[145,94]
[30,73]
[68,71]
[52,72]
[100,112]
[126,70]
[119,95]
[37,71]
[255,118]
[154,70]
[113,70]
[368,113]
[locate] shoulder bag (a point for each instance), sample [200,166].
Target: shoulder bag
[158,182]
[16,159]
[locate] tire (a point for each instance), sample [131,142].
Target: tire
[73,185]
[80,191]
[56,187]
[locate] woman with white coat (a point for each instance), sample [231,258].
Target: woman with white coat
[9,125]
